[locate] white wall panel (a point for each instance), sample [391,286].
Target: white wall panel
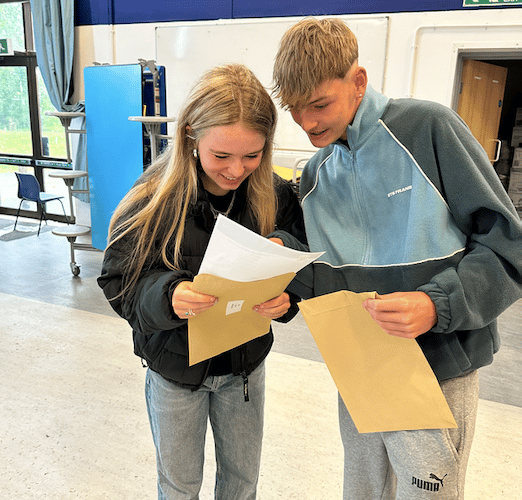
[188,49]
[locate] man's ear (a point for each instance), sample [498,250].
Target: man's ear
[360,79]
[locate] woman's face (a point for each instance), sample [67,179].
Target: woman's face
[228,155]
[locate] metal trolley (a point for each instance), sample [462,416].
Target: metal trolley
[72,231]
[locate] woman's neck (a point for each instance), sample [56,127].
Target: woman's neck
[221,204]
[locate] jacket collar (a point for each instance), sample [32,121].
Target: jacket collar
[366,119]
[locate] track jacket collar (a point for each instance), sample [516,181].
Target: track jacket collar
[367,117]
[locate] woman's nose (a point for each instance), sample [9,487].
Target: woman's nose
[236,169]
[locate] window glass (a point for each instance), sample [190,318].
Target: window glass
[19,151]
[15,126]
[12,25]
[53,133]
[9,186]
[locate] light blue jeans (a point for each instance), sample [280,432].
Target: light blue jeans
[178,419]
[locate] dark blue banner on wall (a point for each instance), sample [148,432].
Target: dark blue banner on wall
[90,12]
[146,11]
[274,8]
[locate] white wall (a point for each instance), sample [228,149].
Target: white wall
[421,56]
[423,48]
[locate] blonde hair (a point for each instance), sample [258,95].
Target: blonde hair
[153,213]
[311,52]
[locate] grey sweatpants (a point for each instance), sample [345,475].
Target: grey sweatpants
[412,465]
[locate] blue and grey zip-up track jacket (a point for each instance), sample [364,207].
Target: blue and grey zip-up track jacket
[411,202]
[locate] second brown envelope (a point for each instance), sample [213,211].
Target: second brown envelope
[385,382]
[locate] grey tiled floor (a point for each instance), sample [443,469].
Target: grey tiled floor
[73,423]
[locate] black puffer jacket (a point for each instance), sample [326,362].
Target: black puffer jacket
[160,336]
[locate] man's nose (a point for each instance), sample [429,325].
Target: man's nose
[303,119]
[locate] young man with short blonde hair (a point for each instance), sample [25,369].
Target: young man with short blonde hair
[404,201]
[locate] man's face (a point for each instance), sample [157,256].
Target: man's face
[330,109]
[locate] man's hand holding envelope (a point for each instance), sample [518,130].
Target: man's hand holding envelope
[385,381]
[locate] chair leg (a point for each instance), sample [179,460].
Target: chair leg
[17,214]
[42,216]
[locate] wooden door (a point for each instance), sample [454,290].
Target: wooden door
[480,101]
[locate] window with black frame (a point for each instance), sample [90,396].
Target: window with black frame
[30,141]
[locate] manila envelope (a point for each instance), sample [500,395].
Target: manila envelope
[231,322]
[385,382]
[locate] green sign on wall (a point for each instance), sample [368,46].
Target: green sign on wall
[490,3]
[6,47]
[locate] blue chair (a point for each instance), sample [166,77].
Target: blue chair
[29,190]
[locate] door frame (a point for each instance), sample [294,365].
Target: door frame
[482,51]
[477,51]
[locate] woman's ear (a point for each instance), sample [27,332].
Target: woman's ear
[188,131]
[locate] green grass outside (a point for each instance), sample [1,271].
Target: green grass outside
[4,169]
[19,142]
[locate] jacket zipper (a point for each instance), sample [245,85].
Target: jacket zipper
[360,205]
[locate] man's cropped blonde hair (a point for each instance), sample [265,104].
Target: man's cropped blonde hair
[310,52]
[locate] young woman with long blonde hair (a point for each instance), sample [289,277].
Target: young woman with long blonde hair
[220,162]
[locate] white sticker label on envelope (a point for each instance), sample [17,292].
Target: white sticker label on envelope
[234,306]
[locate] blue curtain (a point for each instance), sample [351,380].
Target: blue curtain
[53,22]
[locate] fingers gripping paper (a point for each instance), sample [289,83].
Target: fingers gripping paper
[231,322]
[242,269]
[385,382]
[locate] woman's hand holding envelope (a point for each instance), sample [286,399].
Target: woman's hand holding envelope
[187,303]
[274,308]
